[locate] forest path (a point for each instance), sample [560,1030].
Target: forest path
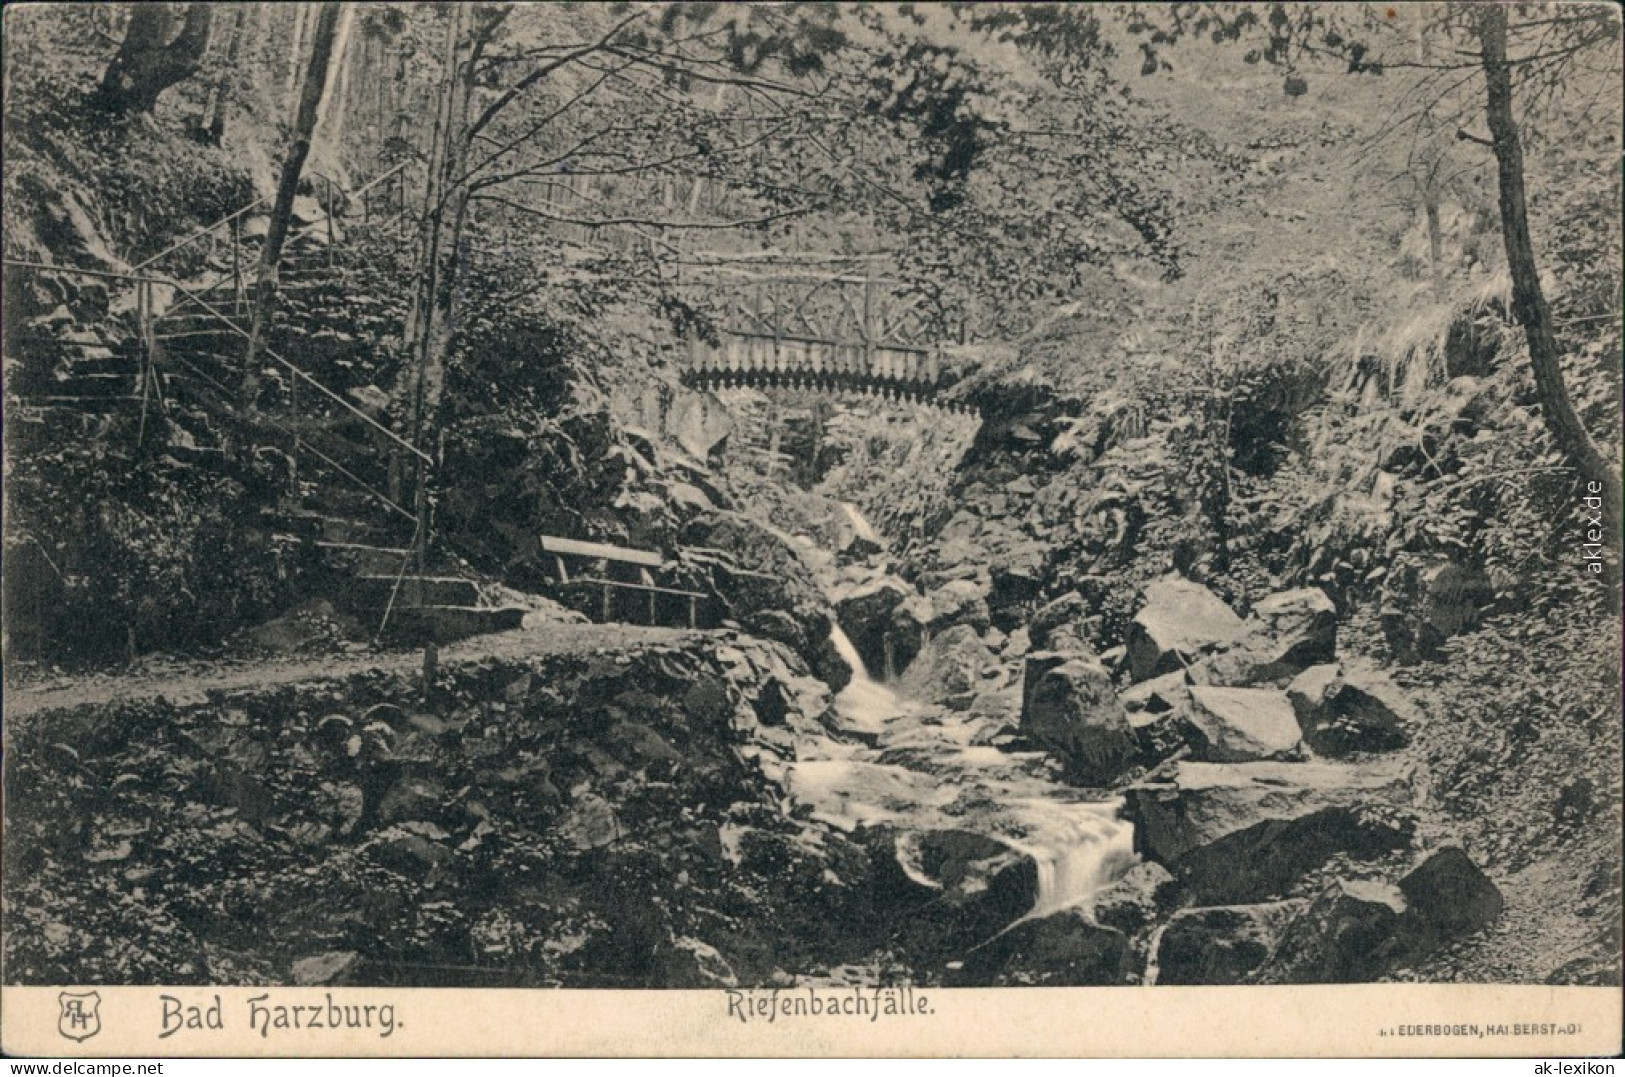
[182,680]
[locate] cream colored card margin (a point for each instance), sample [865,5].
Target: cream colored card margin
[1366,1020]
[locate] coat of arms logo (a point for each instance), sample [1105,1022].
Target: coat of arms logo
[81,1016]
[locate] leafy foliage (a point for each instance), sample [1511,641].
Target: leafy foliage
[111,549]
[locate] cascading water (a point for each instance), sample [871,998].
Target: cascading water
[923,768]
[865,703]
[1079,849]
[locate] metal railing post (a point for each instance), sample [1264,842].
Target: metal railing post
[421,537]
[293,424]
[236,266]
[331,209]
[143,317]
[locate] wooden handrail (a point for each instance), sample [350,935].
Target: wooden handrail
[318,386]
[828,342]
[77,271]
[195,236]
[356,480]
[626,585]
[306,446]
[225,320]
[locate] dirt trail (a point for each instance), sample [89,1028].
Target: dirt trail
[187,681]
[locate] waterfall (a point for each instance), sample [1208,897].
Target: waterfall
[861,527]
[1080,849]
[865,703]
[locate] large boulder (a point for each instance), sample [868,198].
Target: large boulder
[1057,625]
[960,602]
[698,421]
[864,612]
[1220,944]
[1342,711]
[1302,623]
[828,664]
[951,670]
[1286,633]
[1159,694]
[1447,896]
[1064,949]
[1350,933]
[907,630]
[1134,901]
[334,968]
[1016,568]
[1179,623]
[1426,600]
[853,536]
[1238,725]
[1358,931]
[944,885]
[1158,711]
[761,580]
[1068,705]
[1242,832]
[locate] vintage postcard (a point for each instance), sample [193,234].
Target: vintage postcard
[817,529]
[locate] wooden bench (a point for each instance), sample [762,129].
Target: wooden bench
[613,556]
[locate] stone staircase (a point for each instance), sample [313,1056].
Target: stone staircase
[345,476]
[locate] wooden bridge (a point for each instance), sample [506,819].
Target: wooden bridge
[831,334]
[761,361]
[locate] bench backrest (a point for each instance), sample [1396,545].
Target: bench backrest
[577,548]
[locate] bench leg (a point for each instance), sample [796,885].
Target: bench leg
[606,603]
[651,607]
[691,617]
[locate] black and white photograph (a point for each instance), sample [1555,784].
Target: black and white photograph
[812,507]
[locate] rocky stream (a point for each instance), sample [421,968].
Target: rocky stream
[1220,800]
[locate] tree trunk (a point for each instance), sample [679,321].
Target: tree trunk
[330,124]
[214,117]
[1528,302]
[301,22]
[429,325]
[148,62]
[310,98]
[1430,206]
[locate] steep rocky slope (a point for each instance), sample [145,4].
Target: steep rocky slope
[605,816]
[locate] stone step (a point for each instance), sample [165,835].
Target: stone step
[215,338]
[413,591]
[447,624]
[126,365]
[98,405]
[365,559]
[94,385]
[319,526]
[94,348]
[31,421]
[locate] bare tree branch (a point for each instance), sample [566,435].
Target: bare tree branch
[491,110]
[648,222]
